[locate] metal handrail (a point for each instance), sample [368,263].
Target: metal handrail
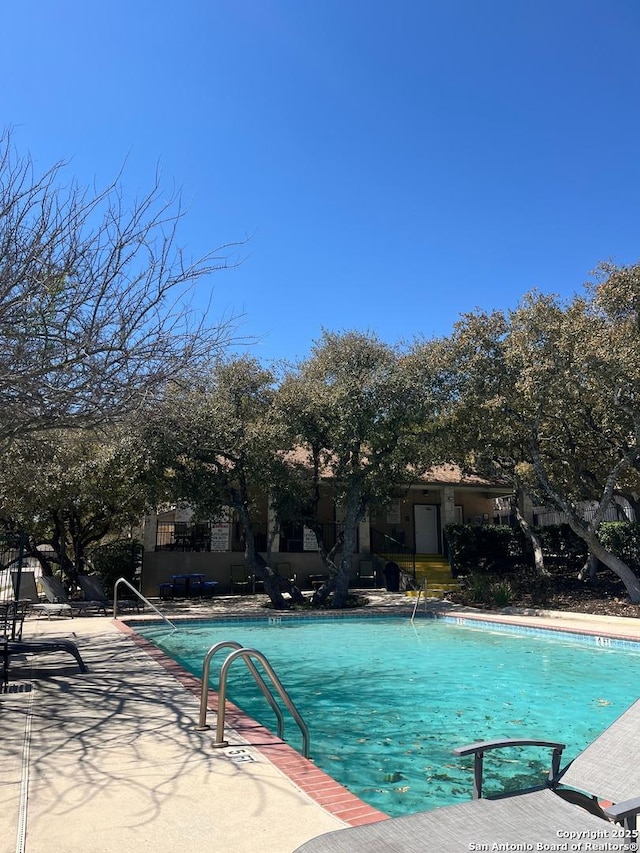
[141,597]
[386,546]
[204,690]
[246,654]
[421,589]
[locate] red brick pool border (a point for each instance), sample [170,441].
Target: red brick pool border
[318,785]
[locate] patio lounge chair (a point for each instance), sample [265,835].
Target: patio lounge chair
[25,589]
[563,810]
[94,592]
[39,646]
[367,573]
[56,594]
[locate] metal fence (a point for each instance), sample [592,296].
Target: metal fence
[388,548]
[197,536]
[190,536]
[544,517]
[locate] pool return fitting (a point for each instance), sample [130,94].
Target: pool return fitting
[248,655]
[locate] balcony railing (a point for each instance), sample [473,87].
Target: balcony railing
[187,536]
[182,536]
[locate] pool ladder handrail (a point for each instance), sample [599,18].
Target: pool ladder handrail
[141,597]
[421,589]
[246,654]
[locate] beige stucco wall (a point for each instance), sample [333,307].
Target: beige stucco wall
[476,507]
[159,566]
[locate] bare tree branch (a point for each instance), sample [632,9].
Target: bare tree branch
[95,297]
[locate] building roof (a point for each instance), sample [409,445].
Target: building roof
[447,474]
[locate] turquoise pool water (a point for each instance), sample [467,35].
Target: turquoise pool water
[387,700]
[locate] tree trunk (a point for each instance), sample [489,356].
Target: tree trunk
[257,566]
[590,569]
[341,592]
[328,558]
[275,584]
[538,556]
[352,517]
[617,566]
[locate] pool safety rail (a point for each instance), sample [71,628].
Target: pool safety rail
[248,655]
[422,592]
[141,597]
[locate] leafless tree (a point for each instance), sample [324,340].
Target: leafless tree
[95,297]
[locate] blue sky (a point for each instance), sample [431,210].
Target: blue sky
[393,164]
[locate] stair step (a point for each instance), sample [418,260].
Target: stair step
[436,592]
[432,568]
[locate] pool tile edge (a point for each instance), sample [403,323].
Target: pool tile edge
[328,794]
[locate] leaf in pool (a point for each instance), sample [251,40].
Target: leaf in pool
[602,702]
[393,777]
[444,777]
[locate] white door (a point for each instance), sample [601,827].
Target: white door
[426,528]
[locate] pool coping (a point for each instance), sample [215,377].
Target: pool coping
[302,772]
[316,784]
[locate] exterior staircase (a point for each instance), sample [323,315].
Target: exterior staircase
[435,570]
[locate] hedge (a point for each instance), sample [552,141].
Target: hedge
[499,547]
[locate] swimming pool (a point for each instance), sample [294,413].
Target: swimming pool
[386,700]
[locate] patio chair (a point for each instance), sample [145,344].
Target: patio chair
[56,594]
[25,590]
[367,573]
[94,593]
[571,805]
[12,614]
[34,647]
[241,581]
[284,569]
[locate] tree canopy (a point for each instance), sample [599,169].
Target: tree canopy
[217,444]
[357,406]
[547,395]
[94,299]
[96,327]
[69,491]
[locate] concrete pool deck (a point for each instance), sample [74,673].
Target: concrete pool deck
[110,760]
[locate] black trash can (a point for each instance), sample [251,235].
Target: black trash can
[392,577]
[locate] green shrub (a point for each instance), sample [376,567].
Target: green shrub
[559,542]
[622,538]
[119,559]
[501,593]
[492,547]
[481,588]
[478,587]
